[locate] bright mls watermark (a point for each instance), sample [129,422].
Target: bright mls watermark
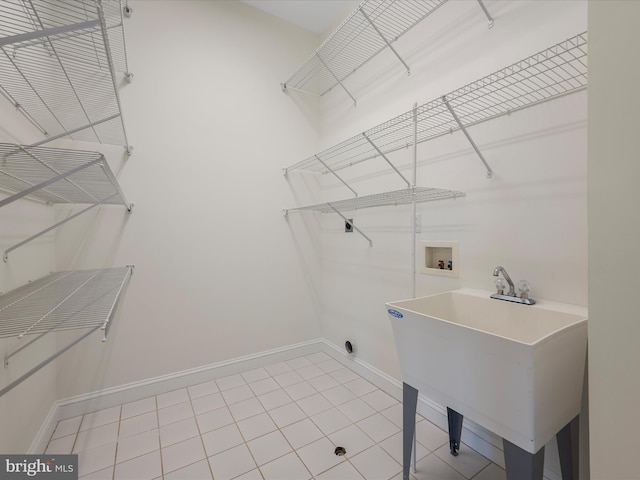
[39,467]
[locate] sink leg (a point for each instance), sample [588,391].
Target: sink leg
[455,430]
[567,439]
[409,406]
[522,465]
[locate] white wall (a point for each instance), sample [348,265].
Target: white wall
[217,271]
[614,236]
[530,217]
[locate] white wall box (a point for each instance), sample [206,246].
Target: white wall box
[82,299]
[551,73]
[431,253]
[371,28]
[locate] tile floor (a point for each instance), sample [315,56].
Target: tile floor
[279,422]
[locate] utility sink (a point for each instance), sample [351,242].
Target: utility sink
[517,370]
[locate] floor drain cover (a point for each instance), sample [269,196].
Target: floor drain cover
[340,451]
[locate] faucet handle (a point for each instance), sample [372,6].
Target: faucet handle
[500,285]
[523,288]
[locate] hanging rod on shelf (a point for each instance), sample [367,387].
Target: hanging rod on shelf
[55,176]
[81,299]
[551,73]
[80,45]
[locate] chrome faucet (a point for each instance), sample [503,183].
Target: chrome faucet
[511,295]
[512,288]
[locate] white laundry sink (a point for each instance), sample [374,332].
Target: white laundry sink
[517,370]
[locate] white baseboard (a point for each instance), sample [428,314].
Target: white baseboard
[479,439]
[41,440]
[110,397]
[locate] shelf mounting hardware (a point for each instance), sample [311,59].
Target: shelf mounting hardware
[386,159]
[351,223]
[389,46]
[336,175]
[355,103]
[466,134]
[486,12]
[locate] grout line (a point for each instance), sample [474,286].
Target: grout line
[195,419]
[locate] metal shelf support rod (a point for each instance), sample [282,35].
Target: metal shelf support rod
[355,103]
[336,175]
[486,12]
[385,40]
[45,362]
[352,225]
[48,32]
[5,256]
[386,159]
[466,134]
[75,130]
[109,174]
[39,186]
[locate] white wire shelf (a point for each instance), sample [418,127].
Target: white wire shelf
[551,73]
[57,66]
[371,28]
[62,301]
[80,299]
[54,175]
[397,197]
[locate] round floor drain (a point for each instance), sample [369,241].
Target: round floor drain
[340,451]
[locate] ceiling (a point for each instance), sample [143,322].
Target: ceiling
[313,15]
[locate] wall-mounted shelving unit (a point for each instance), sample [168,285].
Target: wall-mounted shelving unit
[81,299]
[54,175]
[551,73]
[58,64]
[396,197]
[371,28]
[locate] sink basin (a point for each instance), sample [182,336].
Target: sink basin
[517,370]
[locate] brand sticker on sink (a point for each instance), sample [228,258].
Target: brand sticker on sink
[395,313]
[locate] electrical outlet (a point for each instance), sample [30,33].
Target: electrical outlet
[348,225]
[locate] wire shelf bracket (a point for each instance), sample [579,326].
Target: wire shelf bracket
[486,12]
[466,134]
[58,64]
[74,300]
[57,176]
